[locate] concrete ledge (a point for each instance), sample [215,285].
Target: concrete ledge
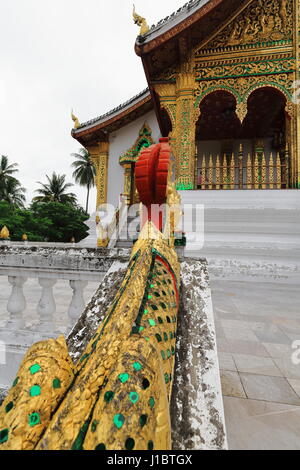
[197,412]
[88,260]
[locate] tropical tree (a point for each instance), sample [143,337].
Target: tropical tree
[85,171]
[6,170]
[13,193]
[55,190]
[10,188]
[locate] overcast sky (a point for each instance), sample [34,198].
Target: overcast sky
[63,54]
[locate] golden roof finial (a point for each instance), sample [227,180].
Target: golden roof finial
[76,120]
[4,234]
[140,21]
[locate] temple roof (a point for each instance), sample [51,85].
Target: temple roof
[172,20]
[114,119]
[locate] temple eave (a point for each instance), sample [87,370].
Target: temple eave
[99,130]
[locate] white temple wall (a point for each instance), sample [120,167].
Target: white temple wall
[119,142]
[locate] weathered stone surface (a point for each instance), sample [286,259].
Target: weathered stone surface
[197,408]
[95,311]
[59,258]
[3,394]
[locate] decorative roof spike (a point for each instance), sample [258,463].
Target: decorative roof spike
[4,234]
[76,120]
[140,21]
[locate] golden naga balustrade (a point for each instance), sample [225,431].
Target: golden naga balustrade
[117,395]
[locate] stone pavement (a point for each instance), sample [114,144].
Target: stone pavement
[256,324]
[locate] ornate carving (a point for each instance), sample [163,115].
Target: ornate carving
[167,96]
[291,109]
[241,111]
[262,20]
[144,140]
[44,376]
[75,120]
[261,67]
[99,155]
[140,21]
[184,132]
[4,234]
[242,87]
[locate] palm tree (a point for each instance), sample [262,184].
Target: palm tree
[13,193]
[10,188]
[85,171]
[6,171]
[55,190]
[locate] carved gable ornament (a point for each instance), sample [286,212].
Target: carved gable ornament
[262,21]
[144,140]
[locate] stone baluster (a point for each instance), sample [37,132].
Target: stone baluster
[77,304]
[16,303]
[46,306]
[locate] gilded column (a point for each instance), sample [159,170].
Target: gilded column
[296,128]
[127,182]
[185,130]
[99,154]
[167,98]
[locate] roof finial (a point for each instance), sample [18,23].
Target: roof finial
[140,21]
[76,120]
[4,233]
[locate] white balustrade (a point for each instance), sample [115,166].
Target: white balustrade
[46,307]
[77,304]
[16,303]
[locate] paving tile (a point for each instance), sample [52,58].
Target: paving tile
[219,330]
[278,350]
[240,324]
[273,389]
[253,348]
[287,368]
[287,325]
[261,425]
[295,384]
[243,335]
[226,361]
[231,384]
[256,365]
[268,333]
[222,345]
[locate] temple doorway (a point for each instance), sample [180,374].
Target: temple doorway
[253,154]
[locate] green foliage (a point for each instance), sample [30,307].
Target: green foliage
[85,171]
[51,221]
[55,190]
[10,188]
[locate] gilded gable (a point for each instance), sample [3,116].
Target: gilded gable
[262,21]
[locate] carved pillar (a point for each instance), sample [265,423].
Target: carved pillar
[127,182]
[77,304]
[99,154]
[167,98]
[46,307]
[16,303]
[295,163]
[186,118]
